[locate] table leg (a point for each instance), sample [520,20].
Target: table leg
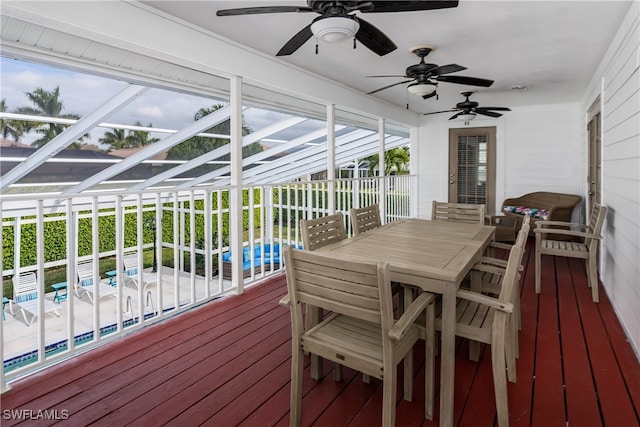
[476,286]
[315,314]
[447,354]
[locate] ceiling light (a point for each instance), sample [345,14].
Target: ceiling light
[335,29]
[520,87]
[421,89]
[467,117]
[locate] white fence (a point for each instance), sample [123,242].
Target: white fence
[184,237]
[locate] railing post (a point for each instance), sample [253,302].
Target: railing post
[119,212]
[192,247]
[208,204]
[3,384]
[158,251]
[95,255]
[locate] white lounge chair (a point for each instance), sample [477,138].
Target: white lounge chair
[85,285]
[25,297]
[133,276]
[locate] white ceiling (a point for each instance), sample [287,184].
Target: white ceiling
[554,47]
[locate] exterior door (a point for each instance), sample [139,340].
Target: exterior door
[595,156]
[472,166]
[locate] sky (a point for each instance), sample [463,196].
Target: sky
[82,93]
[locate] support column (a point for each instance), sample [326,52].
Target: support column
[382,190]
[331,157]
[235,199]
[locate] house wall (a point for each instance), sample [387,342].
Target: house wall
[617,83]
[536,150]
[544,148]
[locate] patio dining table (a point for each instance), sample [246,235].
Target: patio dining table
[434,256]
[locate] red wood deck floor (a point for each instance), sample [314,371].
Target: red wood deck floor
[227,363]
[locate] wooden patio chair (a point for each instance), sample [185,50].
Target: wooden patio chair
[365,219]
[132,275]
[584,246]
[360,331]
[322,231]
[458,212]
[25,298]
[317,233]
[487,277]
[487,319]
[368,218]
[85,284]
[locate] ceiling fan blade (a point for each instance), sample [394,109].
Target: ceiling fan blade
[374,39]
[396,75]
[387,87]
[431,95]
[446,69]
[296,41]
[495,108]
[486,112]
[261,9]
[455,116]
[464,80]
[438,112]
[408,6]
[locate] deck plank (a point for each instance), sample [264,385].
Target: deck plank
[575,358]
[227,363]
[616,407]
[520,394]
[548,395]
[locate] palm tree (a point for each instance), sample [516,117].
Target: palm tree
[396,157]
[116,139]
[11,128]
[140,138]
[46,103]
[197,145]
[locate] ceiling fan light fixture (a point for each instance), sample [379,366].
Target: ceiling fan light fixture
[335,29]
[467,117]
[421,89]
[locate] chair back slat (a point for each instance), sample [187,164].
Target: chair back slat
[25,287]
[322,231]
[511,276]
[85,273]
[598,214]
[130,261]
[349,288]
[365,219]
[458,212]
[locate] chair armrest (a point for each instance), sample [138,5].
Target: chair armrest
[542,224]
[507,307]
[493,261]
[411,313]
[488,268]
[499,245]
[574,233]
[285,301]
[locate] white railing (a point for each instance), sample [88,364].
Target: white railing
[187,233]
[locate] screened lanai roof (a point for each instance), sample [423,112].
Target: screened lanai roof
[285,139]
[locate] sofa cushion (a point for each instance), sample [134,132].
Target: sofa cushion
[524,210]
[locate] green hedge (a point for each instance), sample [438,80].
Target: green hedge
[56,238]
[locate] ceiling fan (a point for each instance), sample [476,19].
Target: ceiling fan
[336,24]
[425,77]
[467,110]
